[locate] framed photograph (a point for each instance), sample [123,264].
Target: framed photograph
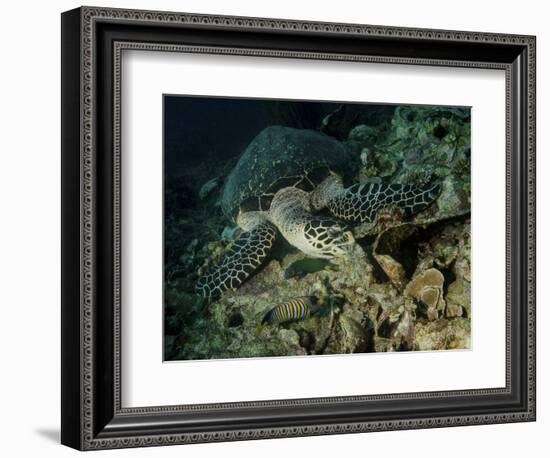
[276,228]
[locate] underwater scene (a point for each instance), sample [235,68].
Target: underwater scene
[297,228]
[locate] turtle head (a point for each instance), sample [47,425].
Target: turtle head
[326,238]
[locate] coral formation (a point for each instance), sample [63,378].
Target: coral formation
[427,288]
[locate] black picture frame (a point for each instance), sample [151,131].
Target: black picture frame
[92,40]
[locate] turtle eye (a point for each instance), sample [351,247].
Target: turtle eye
[334,231]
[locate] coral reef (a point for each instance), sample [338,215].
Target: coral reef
[405,285]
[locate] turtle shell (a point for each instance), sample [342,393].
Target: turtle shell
[279,157]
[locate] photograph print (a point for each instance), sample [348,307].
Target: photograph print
[299,228]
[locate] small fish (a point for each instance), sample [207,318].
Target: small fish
[294,310]
[302,267]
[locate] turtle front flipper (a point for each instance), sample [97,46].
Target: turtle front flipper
[361,202]
[241,261]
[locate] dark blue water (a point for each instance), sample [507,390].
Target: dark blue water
[201,130]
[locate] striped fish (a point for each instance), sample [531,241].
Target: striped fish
[293,310]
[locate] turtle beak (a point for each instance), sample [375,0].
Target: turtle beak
[342,245]
[347,238]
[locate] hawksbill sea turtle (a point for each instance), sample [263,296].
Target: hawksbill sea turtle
[291,182]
